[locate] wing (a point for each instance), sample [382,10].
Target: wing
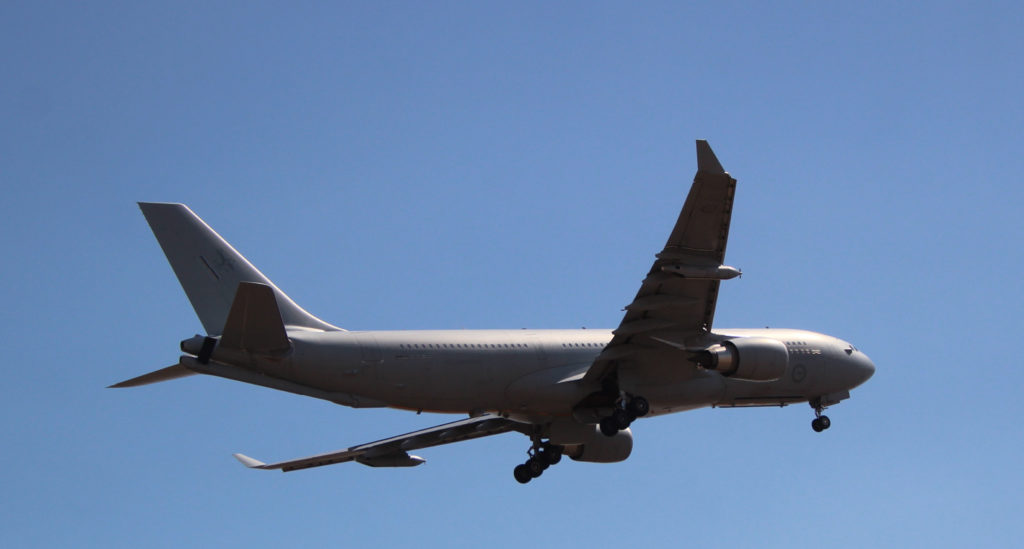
[676,301]
[393,452]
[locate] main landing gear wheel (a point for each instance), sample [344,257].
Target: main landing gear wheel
[624,415]
[542,456]
[609,427]
[550,453]
[522,474]
[622,418]
[638,406]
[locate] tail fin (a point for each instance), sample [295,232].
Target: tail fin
[210,270]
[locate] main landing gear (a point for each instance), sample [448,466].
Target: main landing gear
[820,422]
[542,455]
[626,411]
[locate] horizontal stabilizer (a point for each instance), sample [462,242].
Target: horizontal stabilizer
[254,322]
[164,374]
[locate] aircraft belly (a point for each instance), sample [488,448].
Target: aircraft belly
[697,392]
[430,384]
[794,386]
[549,391]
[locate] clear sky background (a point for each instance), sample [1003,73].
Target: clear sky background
[475,165]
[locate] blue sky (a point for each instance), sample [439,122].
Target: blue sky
[474,165]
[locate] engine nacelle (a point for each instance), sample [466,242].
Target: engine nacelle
[748,358]
[599,448]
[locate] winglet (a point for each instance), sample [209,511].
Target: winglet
[248,461]
[706,159]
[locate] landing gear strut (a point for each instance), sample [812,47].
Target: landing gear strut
[625,413]
[820,422]
[542,455]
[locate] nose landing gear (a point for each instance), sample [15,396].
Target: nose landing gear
[820,422]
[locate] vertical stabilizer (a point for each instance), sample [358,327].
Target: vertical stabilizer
[210,270]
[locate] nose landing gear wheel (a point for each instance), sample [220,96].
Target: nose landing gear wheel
[819,424]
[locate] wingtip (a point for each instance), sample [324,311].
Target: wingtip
[706,159]
[143,203]
[248,461]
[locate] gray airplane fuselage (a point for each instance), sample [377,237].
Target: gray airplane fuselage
[536,374]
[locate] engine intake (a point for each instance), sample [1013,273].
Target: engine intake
[747,358]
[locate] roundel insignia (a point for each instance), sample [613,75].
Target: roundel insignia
[799,373]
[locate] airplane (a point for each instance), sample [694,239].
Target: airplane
[574,393]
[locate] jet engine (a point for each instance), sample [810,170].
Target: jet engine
[602,449]
[747,358]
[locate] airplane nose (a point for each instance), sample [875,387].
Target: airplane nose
[864,367]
